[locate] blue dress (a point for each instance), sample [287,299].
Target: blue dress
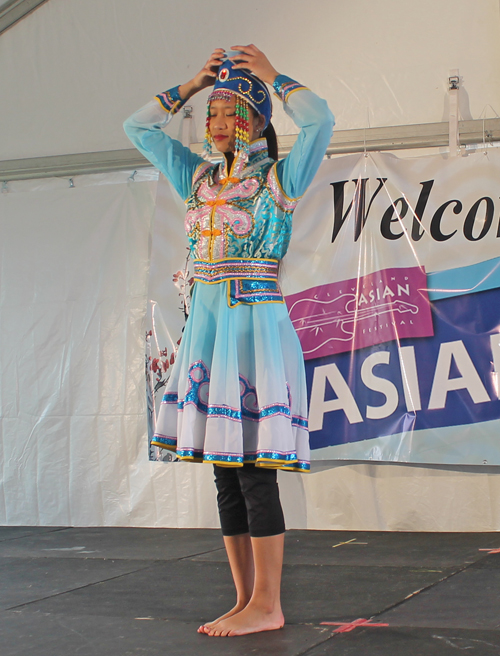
[237,391]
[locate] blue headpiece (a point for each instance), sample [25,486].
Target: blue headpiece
[246,86]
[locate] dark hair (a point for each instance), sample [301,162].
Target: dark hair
[270,135]
[272,141]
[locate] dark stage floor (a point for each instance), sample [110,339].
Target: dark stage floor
[124,591]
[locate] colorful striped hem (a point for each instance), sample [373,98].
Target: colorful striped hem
[267,459]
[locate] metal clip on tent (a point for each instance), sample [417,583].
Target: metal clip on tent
[488,135]
[187,112]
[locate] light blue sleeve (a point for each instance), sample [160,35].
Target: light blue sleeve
[144,129]
[312,115]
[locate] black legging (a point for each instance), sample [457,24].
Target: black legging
[249,501]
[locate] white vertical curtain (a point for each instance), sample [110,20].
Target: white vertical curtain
[74,268]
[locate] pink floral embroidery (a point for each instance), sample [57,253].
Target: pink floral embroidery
[225,213]
[239,220]
[195,217]
[243,189]
[206,192]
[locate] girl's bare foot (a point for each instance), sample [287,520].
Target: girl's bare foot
[251,619]
[240,555]
[205,628]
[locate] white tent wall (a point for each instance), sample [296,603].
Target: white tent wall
[73,446]
[71,71]
[74,260]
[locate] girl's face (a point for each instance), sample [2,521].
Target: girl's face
[223,128]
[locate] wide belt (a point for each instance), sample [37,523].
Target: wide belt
[235,269]
[249,281]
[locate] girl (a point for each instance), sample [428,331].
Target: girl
[237,396]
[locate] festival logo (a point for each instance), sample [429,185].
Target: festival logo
[379,307]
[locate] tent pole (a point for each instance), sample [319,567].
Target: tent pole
[401,137]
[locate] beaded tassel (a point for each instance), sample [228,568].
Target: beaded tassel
[242,141]
[207,144]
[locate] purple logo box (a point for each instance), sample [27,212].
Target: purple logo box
[349,315]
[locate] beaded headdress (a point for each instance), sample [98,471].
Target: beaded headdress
[249,91]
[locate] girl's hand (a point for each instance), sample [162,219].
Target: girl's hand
[205,78]
[254,60]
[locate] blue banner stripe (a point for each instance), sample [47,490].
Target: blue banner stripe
[464,280]
[463,326]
